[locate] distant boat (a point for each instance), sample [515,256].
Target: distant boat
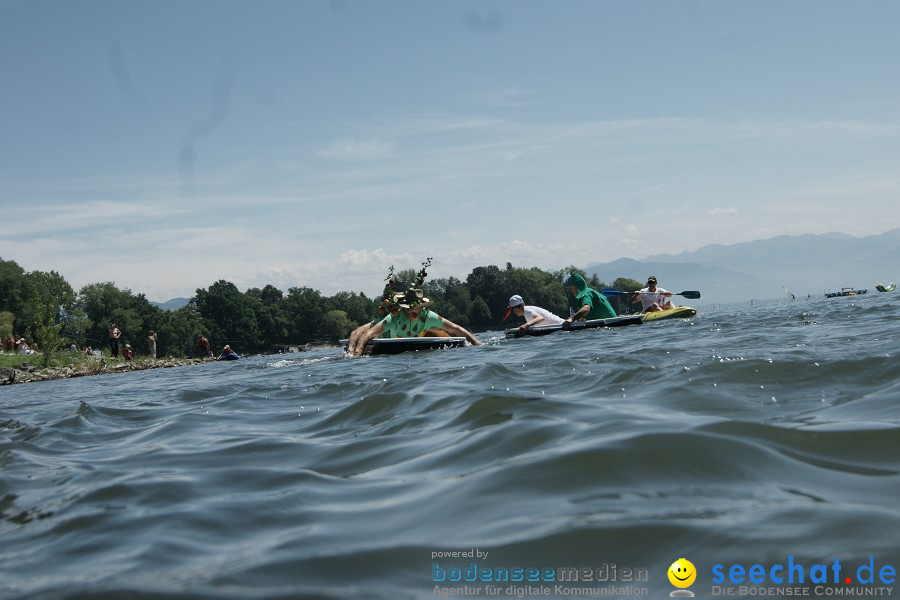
[885,288]
[845,291]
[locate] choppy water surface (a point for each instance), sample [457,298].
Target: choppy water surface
[740,436]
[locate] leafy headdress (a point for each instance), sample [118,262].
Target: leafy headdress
[414,296]
[392,287]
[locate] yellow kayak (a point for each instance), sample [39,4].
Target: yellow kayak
[679,312]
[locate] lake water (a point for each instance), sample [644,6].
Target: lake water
[762,435]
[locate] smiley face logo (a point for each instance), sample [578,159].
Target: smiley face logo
[682,573]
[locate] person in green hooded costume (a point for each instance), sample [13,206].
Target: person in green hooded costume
[590,304]
[412,320]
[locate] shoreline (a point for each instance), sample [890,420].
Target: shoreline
[29,373]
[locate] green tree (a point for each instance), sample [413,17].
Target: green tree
[273,323]
[489,283]
[305,308]
[104,303]
[232,314]
[12,281]
[359,308]
[480,313]
[451,299]
[75,325]
[178,331]
[144,317]
[6,325]
[405,278]
[47,330]
[47,299]
[336,325]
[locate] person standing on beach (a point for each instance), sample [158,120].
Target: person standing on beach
[114,335]
[205,350]
[151,342]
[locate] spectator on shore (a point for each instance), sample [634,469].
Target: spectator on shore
[127,354]
[10,343]
[205,350]
[151,342]
[114,335]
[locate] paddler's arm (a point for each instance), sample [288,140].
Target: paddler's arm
[531,323]
[579,314]
[635,297]
[354,335]
[456,330]
[365,338]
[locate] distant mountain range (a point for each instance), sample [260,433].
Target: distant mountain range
[173,304]
[762,269]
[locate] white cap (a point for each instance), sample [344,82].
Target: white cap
[515,301]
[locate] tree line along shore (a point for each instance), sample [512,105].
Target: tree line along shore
[43,308]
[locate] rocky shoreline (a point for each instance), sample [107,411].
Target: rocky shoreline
[29,373]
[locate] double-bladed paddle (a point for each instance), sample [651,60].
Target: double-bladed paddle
[692,294]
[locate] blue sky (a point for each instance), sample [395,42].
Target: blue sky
[166,145]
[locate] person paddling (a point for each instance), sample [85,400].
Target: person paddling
[412,320]
[533,315]
[592,304]
[228,354]
[386,307]
[653,299]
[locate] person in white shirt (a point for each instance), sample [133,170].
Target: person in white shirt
[533,315]
[653,298]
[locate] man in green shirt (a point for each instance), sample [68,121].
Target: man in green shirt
[413,320]
[592,304]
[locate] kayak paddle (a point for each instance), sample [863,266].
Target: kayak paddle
[692,294]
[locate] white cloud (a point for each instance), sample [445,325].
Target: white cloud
[364,259]
[723,212]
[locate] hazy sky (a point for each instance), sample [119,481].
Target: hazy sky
[165,145]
